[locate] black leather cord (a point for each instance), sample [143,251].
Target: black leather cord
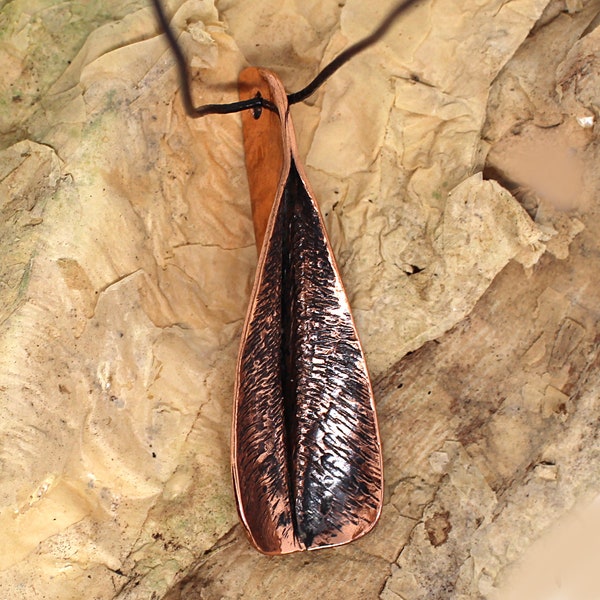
[258,102]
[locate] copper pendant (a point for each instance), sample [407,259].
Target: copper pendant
[306,454]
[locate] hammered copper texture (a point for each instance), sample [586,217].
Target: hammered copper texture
[306,451]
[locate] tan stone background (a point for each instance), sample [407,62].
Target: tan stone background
[456,165]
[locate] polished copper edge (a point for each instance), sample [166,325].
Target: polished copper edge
[306,453]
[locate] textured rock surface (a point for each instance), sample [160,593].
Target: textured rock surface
[127,256]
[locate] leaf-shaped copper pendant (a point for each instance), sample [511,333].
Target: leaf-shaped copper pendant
[306,454]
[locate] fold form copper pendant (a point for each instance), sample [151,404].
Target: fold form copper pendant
[306,454]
